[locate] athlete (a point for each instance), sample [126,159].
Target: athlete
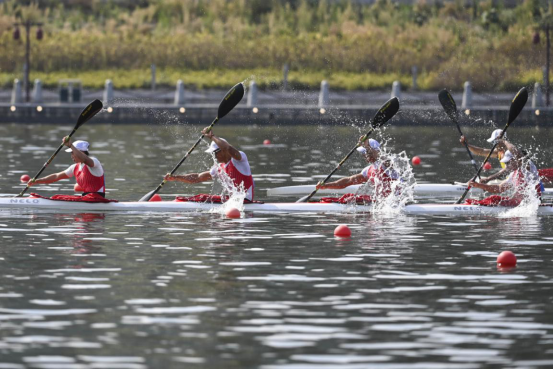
[378,172]
[87,170]
[499,152]
[232,164]
[522,175]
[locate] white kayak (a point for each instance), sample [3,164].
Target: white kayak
[31,203]
[420,190]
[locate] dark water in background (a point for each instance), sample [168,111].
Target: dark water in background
[274,291]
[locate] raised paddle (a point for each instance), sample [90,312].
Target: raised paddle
[383,115]
[90,111]
[518,103]
[449,106]
[231,99]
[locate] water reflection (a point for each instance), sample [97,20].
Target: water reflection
[136,290]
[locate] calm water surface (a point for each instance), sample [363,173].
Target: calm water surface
[135,290]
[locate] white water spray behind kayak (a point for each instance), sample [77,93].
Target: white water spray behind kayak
[236,194]
[530,203]
[401,189]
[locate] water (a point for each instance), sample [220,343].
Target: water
[133,290]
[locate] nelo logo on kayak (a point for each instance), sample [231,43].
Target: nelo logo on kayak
[24,201]
[467,208]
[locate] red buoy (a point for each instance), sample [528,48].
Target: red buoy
[267,142]
[25,178]
[77,188]
[343,231]
[156,197]
[232,213]
[487,166]
[506,259]
[416,160]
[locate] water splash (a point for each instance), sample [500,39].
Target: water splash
[527,192]
[391,202]
[235,194]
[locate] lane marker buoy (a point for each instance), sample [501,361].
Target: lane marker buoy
[343,231]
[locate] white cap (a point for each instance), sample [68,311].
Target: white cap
[496,135]
[213,146]
[374,144]
[79,145]
[507,157]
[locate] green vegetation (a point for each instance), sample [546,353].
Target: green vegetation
[214,43]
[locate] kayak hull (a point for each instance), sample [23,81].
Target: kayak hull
[420,190]
[29,203]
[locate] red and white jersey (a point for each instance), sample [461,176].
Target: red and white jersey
[381,176]
[90,179]
[239,172]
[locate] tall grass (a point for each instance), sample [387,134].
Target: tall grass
[208,43]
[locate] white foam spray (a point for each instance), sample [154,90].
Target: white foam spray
[236,194]
[402,189]
[530,203]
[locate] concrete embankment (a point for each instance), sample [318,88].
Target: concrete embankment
[270,107]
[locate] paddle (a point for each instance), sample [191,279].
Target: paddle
[516,107]
[90,111]
[383,115]
[231,99]
[449,106]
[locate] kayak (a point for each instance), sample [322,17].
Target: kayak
[32,203]
[420,190]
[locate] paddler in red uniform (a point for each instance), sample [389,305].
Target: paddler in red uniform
[378,172]
[231,163]
[502,146]
[521,176]
[87,170]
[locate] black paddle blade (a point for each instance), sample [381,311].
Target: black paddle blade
[448,104]
[385,113]
[231,99]
[518,103]
[90,111]
[148,196]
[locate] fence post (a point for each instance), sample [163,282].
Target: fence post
[179,93]
[252,97]
[537,96]
[396,87]
[17,93]
[108,92]
[324,95]
[37,91]
[285,76]
[467,98]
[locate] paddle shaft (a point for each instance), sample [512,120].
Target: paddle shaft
[479,170]
[467,148]
[337,167]
[149,196]
[46,164]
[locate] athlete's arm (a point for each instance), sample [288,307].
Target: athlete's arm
[190,178]
[499,188]
[49,179]
[223,145]
[476,150]
[81,156]
[343,182]
[494,176]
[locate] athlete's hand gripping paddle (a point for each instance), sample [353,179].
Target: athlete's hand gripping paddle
[90,111]
[518,103]
[231,99]
[383,115]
